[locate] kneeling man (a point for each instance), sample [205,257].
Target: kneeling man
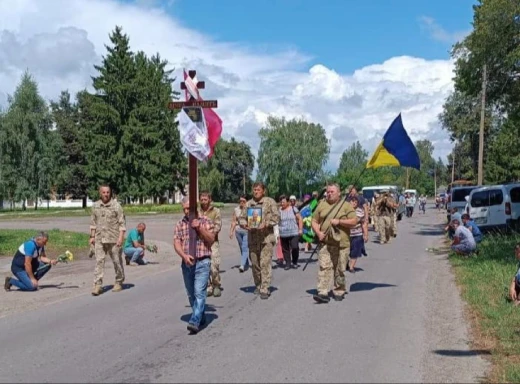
[30,264]
[134,246]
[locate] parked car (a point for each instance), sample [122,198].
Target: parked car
[458,199]
[496,207]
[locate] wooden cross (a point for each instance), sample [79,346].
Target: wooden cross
[193,107]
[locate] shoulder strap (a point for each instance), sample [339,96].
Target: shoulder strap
[332,209]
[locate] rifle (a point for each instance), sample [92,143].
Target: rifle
[341,206]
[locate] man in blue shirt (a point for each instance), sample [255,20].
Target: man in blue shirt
[30,264]
[134,246]
[474,229]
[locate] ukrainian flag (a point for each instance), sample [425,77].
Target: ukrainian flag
[396,149]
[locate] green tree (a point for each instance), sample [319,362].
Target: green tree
[73,179]
[227,174]
[292,154]
[26,126]
[353,161]
[132,142]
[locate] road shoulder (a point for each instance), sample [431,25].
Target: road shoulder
[449,356]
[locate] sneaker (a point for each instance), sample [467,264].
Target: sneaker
[217,292]
[287,267]
[7,284]
[321,299]
[241,269]
[193,329]
[133,264]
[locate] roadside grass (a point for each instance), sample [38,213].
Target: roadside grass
[68,212]
[484,282]
[59,241]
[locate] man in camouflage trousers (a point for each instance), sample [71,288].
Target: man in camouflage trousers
[261,239]
[386,206]
[212,213]
[331,223]
[107,231]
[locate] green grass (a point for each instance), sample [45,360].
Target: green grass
[67,212]
[485,281]
[59,241]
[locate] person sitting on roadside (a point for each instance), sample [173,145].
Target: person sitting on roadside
[514,288]
[455,215]
[30,264]
[475,230]
[134,246]
[463,241]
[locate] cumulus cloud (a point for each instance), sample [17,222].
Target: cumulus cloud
[438,33]
[59,41]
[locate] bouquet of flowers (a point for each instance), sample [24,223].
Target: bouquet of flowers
[152,248]
[65,257]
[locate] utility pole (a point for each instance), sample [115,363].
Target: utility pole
[481,134]
[453,165]
[435,180]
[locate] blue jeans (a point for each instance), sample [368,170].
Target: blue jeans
[241,236]
[196,282]
[135,254]
[24,282]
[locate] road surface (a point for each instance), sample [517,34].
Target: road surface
[401,322]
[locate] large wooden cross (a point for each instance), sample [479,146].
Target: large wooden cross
[193,107]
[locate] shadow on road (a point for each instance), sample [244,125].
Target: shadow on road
[210,317]
[125,287]
[358,287]
[461,353]
[57,286]
[251,289]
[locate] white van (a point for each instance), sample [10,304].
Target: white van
[411,191]
[458,198]
[495,206]
[368,192]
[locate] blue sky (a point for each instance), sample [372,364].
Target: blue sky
[342,34]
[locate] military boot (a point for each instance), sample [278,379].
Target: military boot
[217,292]
[117,287]
[97,290]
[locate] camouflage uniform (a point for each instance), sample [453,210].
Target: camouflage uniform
[386,211]
[261,243]
[214,277]
[393,219]
[334,251]
[107,220]
[374,213]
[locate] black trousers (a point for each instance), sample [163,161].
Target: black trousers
[290,247]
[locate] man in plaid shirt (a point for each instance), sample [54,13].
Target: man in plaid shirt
[195,268]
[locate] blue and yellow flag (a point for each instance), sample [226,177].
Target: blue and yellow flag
[396,149]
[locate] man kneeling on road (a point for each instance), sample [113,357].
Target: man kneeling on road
[30,264]
[134,246]
[195,268]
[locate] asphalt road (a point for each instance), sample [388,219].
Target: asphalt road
[386,330]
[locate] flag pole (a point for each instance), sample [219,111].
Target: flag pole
[341,206]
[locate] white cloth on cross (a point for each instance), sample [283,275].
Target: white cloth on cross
[191,86]
[193,138]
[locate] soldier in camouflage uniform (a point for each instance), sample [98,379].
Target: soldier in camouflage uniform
[331,222]
[107,231]
[374,213]
[262,239]
[212,213]
[386,206]
[393,216]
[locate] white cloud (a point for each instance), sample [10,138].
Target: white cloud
[439,33]
[59,41]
